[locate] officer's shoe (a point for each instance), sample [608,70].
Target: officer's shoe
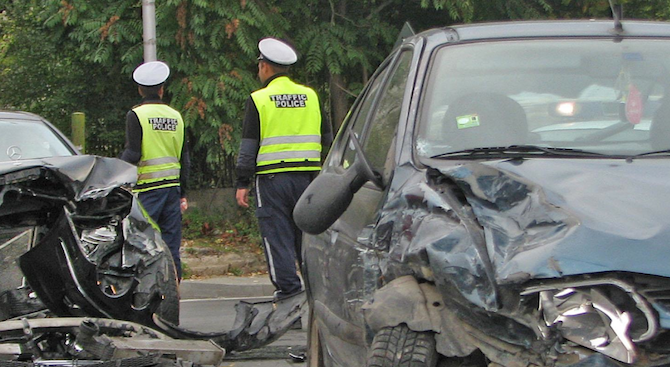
[280,296]
[298,357]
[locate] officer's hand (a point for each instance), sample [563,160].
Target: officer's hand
[183,204]
[242,196]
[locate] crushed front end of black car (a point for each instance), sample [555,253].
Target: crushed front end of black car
[76,246]
[74,241]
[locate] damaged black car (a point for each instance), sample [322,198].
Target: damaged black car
[74,240]
[498,195]
[86,277]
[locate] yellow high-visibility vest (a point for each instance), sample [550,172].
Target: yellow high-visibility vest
[290,127]
[162,142]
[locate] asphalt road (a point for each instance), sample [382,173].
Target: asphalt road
[210,315]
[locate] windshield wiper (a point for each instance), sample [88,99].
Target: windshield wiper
[656,152]
[516,150]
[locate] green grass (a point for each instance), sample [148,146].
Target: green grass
[196,224]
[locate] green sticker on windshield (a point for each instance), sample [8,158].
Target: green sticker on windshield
[466,121]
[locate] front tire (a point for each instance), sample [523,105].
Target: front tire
[399,346]
[168,309]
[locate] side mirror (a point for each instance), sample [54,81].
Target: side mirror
[330,194]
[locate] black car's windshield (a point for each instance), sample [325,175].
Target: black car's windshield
[29,139]
[591,95]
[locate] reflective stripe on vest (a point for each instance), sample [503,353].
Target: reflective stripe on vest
[162,142]
[290,127]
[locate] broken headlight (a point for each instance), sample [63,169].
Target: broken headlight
[98,240]
[604,315]
[99,224]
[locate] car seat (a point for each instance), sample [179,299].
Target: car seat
[481,120]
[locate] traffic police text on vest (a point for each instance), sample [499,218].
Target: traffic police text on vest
[289,100]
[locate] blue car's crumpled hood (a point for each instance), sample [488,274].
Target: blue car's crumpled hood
[546,218]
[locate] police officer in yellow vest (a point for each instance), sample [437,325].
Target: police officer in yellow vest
[282,139]
[155,143]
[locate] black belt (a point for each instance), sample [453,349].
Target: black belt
[149,185]
[288,165]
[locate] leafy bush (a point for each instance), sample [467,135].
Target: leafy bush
[196,224]
[240,227]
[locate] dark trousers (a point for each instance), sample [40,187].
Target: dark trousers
[276,196]
[163,207]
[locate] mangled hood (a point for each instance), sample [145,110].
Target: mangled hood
[86,176]
[546,218]
[477,227]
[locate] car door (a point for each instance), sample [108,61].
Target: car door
[341,268]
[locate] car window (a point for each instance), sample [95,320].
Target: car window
[597,95]
[25,139]
[383,126]
[360,114]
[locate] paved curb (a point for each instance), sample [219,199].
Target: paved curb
[226,287]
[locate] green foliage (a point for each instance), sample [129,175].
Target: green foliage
[633,9]
[235,271]
[186,272]
[43,72]
[197,224]
[62,56]
[194,221]
[247,226]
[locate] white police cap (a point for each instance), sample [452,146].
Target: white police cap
[277,52]
[151,73]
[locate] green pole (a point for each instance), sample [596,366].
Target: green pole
[79,131]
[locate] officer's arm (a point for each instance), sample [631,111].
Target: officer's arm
[246,161]
[133,150]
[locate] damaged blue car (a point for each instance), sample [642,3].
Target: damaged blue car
[498,195]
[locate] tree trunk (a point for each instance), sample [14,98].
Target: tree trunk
[338,101]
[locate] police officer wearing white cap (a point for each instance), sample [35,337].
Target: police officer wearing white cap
[155,142]
[282,139]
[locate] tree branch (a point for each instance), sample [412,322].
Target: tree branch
[345,90]
[332,11]
[379,9]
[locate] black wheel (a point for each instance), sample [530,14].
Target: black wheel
[168,309]
[314,347]
[399,346]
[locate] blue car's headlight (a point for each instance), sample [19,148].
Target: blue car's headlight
[605,315]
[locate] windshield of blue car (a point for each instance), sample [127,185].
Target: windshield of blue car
[29,139]
[603,96]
